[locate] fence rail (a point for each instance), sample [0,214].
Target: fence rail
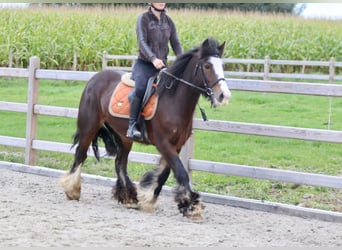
[267,62]
[33,109]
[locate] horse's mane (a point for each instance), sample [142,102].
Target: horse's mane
[168,83]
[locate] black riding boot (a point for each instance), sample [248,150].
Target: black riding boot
[135,103]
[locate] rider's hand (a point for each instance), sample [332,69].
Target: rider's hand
[158,64]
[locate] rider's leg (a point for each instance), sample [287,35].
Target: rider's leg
[135,103]
[141,72]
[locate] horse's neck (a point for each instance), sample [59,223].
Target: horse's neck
[187,99]
[187,95]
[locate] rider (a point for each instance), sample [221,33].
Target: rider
[154,30]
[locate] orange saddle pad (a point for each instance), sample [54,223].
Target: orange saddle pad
[119,104]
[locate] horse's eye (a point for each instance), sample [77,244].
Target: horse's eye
[207,66]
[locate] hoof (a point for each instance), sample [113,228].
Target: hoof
[194,213]
[75,195]
[71,183]
[195,218]
[72,192]
[189,204]
[148,207]
[131,205]
[147,200]
[125,196]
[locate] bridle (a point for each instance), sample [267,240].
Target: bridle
[206,90]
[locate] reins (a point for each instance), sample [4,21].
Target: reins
[183,81]
[206,90]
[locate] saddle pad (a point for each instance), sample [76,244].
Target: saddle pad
[119,104]
[127,79]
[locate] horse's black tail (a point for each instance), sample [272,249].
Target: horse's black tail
[76,139]
[110,139]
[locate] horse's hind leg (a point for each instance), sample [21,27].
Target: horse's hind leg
[71,181]
[124,190]
[150,186]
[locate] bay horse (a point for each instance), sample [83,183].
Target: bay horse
[195,72]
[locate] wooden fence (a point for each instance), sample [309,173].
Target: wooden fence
[32,108]
[267,63]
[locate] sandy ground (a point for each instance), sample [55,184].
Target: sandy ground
[35,212]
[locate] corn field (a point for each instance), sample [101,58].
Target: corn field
[56,34]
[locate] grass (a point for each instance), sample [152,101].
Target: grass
[278,109]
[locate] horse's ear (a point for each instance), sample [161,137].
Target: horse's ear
[221,48]
[211,47]
[205,43]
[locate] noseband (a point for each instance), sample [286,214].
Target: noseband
[208,91]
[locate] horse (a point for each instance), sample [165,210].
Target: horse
[196,72]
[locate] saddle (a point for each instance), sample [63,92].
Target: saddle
[119,104]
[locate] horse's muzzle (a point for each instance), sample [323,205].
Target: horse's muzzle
[222,94]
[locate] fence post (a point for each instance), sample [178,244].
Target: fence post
[75,61]
[10,61]
[10,58]
[31,119]
[187,153]
[331,81]
[104,60]
[266,67]
[332,70]
[303,68]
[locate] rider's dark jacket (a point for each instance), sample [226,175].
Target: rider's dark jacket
[153,36]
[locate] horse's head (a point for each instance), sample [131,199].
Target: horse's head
[210,68]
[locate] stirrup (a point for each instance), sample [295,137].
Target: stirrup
[133,133]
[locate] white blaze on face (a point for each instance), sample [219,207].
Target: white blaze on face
[225,92]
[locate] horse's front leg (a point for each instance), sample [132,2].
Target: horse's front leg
[188,201]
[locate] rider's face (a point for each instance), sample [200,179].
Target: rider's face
[159,6]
